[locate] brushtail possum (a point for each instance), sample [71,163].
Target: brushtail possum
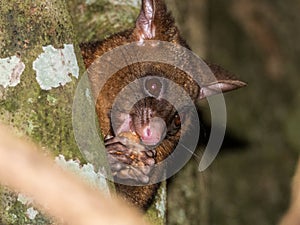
[149,132]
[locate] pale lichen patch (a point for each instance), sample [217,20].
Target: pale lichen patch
[31,213]
[11,69]
[86,172]
[55,66]
[88,96]
[134,3]
[30,127]
[161,203]
[51,100]
[90,2]
[24,199]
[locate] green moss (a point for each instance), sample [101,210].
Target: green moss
[43,116]
[156,212]
[15,214]
[27,23]
[100,19]
[11,106]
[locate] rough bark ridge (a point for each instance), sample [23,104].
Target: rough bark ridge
[44,116]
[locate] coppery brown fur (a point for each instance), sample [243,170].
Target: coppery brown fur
[165,31]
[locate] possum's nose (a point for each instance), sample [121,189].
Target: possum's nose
[154,132]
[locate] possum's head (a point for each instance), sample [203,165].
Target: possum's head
[153,117]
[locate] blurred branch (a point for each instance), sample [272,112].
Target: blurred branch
[61,194]
[292,217]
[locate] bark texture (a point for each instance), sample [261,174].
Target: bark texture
[43,116]
[41,112]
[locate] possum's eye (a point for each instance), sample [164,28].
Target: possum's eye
[177,121]
[153,87]
[175,125]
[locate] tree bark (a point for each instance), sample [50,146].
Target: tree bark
[188,192]
[37,43]
[95,20]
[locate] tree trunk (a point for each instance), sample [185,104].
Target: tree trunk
[39,72]
[38,75]
[188,192]
[94,20]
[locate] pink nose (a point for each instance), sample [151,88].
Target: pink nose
[150,137]
[154,132]
[148,132]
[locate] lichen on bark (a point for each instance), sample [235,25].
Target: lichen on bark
[26,27]
[44,117]
[95,20]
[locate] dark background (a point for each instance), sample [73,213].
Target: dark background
[249,181]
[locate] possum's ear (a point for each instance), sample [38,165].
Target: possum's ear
[225,82]
[144,25]
[152,21]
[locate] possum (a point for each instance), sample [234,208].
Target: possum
[149,132]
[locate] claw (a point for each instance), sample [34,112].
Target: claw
[151,153]
[129,160]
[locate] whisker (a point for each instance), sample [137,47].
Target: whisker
[192,152]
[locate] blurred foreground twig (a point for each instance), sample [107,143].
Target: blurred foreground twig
[61,194]
[292,217]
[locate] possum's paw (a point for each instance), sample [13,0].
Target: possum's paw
[129,159]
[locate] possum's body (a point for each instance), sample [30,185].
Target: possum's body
[154,120]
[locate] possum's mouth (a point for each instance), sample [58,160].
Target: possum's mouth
[151,134]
